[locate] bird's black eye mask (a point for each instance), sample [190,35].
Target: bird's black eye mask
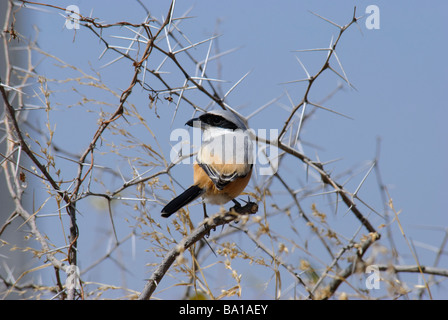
[217,121]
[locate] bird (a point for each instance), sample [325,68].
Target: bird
[224,162]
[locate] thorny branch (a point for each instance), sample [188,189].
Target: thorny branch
[18,144]
[71,199]
[197,234]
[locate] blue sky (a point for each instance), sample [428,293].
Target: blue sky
[399,72]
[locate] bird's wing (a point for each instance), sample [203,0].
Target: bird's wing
[220,180]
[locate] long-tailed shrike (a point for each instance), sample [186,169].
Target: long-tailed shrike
[223,165]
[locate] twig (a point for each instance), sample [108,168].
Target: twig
[348,271]
[204,229]
[311,79]
[277,259]
[413,269]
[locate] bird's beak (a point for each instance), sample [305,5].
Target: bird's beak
[192,121]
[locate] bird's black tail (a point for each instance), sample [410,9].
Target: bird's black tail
[181,200]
